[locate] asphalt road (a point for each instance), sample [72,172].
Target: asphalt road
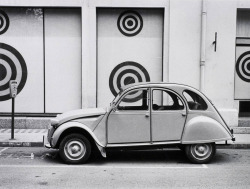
[42,168]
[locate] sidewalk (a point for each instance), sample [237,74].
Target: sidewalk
[22,137]
[35,137]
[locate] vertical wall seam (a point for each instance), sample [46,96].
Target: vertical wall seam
[203,46]
[44,92]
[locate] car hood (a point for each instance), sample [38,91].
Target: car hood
[76,114]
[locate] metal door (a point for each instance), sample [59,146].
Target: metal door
[242,69]
[129,49]
[168,116]
[62,29]
[21,58]
[130,123]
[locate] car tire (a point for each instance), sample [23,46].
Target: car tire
[200,153]
[75,149]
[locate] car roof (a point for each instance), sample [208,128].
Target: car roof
[173,86]
[158,84]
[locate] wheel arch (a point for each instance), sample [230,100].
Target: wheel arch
[203,129]
[73,127]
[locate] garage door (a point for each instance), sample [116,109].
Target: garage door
[129,48]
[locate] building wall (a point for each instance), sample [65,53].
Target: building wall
[184,42]
[181,46]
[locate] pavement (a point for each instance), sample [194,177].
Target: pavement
[36,137]
[22,137]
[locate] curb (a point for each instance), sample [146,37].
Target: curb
[21,144]
[233,146]
[40,144]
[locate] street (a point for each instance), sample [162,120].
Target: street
[168,168]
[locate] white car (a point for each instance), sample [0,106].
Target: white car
[158,115]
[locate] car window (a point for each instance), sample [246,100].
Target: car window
[195,102]
[166,100]
[134,100]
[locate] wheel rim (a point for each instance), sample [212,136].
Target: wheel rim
[74,149]
[201,151]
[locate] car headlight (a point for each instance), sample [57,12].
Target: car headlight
[54,122]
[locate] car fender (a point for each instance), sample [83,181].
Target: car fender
[202,129]
[72,124]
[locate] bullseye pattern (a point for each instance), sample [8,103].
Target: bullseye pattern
[4,22]
[127,73]
[243,66]
[12,67]
[130,23]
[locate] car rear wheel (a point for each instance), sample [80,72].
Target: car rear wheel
[74,149]
[200,153]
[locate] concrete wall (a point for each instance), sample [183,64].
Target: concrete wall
[181,44]
[184,42]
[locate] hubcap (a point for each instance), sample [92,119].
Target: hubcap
[74,149]
[201,151]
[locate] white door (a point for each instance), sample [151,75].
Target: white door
[129,45]
[62,29]
[21,58]
[242,69]
[130,123]
[168,116]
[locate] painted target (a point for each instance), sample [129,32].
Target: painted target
[130,23]
[4,22]
[127,73]
[12,67]
[243,66]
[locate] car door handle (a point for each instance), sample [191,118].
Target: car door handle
[184,114]
[147,115]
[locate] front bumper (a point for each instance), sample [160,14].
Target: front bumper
[47,140]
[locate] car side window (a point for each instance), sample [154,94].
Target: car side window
[195,102]
[166,100]
[135,100]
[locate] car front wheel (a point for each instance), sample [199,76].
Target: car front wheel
[75,148]
[200,153]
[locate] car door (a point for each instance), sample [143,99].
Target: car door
[168,115]
[130,122]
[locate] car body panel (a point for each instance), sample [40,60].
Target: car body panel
[100,130]
[90,122]
[128,126]
[202,129]
[76,114]
[167,125]
[72,124]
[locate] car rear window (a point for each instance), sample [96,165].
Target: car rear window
[195,102]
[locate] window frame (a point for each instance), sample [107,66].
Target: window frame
[168,90]
[185,91]
[131,90]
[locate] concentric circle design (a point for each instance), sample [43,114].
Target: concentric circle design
[4,22]
[130,23]
[12,67]
[243,66]
[127,73]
